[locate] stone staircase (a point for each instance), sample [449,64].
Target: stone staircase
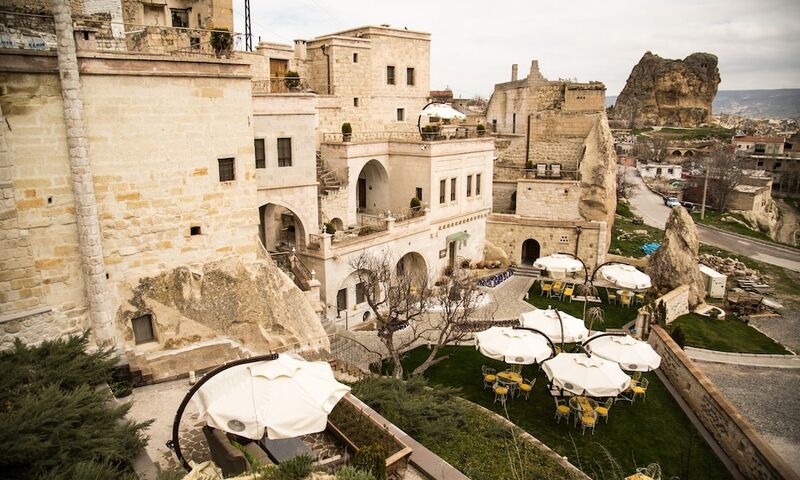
[328,180]
[527,271]
[350,359]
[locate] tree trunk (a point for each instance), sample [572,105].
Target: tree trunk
[428,361]
[397,366]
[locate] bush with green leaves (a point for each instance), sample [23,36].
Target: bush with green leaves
[296,468]
[415,203]
[678,335]
[292,79]
[221,41]
[347,129]
[352,473]
[56,421]
[372,459]
[330,228]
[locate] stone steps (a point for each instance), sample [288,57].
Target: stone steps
[527,271]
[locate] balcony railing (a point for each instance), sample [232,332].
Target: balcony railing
[447,132]
[282,84]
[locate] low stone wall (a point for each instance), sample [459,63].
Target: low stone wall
[754,458]
[677,302]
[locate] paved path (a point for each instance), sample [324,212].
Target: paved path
[654,213]
[767,397]
[744,359]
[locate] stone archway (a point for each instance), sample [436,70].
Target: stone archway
[338,224]
[412,263]
[280,228]
[372,188]
[530,251]
[676,153]
[688,153]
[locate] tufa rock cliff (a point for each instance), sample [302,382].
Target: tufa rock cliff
[668,92]
[598,173]
[676,263]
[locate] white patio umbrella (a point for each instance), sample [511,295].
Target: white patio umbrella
[442,110]
[584,375]
[287,397]
[626,276]
[512,346]
[559,263]
[546,321]
[629,353]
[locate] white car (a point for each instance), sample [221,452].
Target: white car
[671,202]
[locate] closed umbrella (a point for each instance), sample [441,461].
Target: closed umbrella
[442,110]
[512,345]
[559,263]
[288,397]
[546,321]
[629,353]
[583,375]
[626,276]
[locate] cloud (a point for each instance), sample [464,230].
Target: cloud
[474,43]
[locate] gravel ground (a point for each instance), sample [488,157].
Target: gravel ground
[767,398]
[784,329]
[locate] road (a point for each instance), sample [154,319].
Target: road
[654,213]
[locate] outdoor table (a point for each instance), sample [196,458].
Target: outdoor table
[625,292]
[511,376]
[283,449]
[638,476]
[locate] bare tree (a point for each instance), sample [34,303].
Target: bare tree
[651,149]
[725,174]
[397,299]
[458,297]
[625,186]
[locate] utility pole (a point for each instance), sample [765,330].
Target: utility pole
[705,190]
[248,28]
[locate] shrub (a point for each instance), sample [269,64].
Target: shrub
[372,459]
[415,203]
[481,127]
[347,129]
[221,41]
[296,468]
[352,473]
[679,337]
[447,271]
[292,79]
[529,164]
[330,228]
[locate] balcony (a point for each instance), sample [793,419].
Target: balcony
[371,226]
[285,84]
[442,134]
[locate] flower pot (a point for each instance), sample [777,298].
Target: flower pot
[346,137]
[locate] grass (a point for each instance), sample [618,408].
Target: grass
[615,316]
[714,218]
[646,432]
[727,335]
[700,133]
[629,246]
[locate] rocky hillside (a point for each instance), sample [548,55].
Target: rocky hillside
[782,103]
[669,92]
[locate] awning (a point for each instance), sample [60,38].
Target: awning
[458,237]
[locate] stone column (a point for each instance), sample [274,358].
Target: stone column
[89,238]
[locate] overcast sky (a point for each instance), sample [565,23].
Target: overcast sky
[474,43]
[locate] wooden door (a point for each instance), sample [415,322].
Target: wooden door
[277,70]
[362,193]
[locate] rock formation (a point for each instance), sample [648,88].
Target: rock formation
[254,304]
[668,92]
[598,173]
[493,253]
[675,263]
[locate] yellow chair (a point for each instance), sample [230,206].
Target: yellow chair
[562,410]
[588,420]
[568,292]
[641,389]
[603,411]
[625,300]
[556,290]
[612,297]
[525,387]
[639,297]
[500,393]
[546,288]
[489,376]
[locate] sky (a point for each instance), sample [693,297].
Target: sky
[474,43]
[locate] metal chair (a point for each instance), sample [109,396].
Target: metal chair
[556,289]
[625,300]
[546,288]
[575,408]
[611,296]
[641,389]
[603,411]
[525,387]
[501,392]
[562,410]
[568,290]
[588,420]
[489,376]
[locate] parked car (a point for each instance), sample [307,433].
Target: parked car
[689,206]
[671,202]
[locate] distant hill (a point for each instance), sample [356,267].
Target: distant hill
[783,103]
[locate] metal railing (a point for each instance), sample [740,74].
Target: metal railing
[450,132]
[284,84]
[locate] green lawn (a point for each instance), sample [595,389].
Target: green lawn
[629,246]
[714,218]
[727,335]
[652,431]
[699,133]
[615,316]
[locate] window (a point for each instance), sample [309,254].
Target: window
[195,230]
[409,76]
[227,170]
[355,58]
[401,114]
[180,17]
[442,186]
[469,185]
[360,296]
[669,171]
[284,152]
[777,165]
[261,156]
[452,189]
[761,163]
[390,75]
[419,193]
[355,101]
[478,184]
[513,123]
[143,329]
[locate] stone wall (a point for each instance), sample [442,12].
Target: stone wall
[753,457]
[549,200]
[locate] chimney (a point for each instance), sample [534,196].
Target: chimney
[300,50]
[514,69]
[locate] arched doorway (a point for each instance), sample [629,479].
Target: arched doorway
[280,229]
[372,188]
[530,251]
[412,263]
[676,153]
[689,153]
[338,224]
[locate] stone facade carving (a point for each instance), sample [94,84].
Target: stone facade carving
[662,91]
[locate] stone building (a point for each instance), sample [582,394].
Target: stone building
[554,188]
[131,205]
[778,156]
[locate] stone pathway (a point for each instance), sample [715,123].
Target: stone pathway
[784,329]
[744,359]
[767,397]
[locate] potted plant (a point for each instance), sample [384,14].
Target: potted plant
[429,132]
[330,228]
[481,130]
[347,132]
[292,80]
[221,41]
[529,165]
